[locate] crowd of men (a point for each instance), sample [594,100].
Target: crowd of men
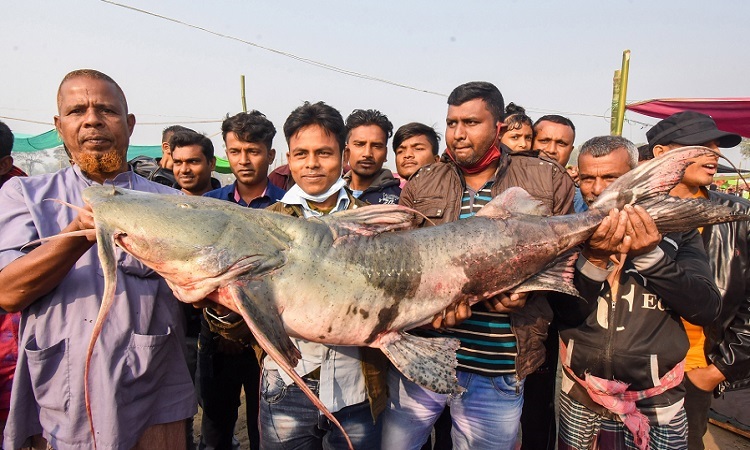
[662,322]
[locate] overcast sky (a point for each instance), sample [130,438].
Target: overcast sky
[548,56]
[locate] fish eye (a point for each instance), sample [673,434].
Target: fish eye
[184,205]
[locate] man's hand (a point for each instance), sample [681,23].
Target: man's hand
[84,221]
[644,236]
[631,231]
[506,302]
[453,314]
[460,311]
[705,378]
[607,239]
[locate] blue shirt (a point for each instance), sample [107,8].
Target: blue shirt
[138,374]
[579,204]
[271,195]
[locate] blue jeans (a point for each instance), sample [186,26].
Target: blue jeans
[288,420]
[486,416]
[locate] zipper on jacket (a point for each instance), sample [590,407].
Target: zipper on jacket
[611,328]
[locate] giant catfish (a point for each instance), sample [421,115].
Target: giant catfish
[363,277]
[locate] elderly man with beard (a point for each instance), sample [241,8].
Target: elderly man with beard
[141,392]
[503,341]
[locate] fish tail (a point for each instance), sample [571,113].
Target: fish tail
[648,186]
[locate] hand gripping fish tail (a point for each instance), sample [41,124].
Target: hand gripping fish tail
[365,276]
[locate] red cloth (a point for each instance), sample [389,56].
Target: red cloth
[730,114]
[14,172]
[8,358]
[615,396]
[492,155]
[8,336]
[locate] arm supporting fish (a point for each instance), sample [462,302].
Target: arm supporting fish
[34,275]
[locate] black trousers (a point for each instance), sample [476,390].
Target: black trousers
[697,404]
[220,378]
[538,427]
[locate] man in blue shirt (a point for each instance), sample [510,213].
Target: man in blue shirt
[225,366]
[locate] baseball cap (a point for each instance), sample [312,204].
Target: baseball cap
[690,128]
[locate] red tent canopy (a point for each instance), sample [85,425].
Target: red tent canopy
[730,114]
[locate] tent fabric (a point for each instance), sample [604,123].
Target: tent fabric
[730,114]
[50,139]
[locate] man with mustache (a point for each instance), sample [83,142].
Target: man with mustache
[503,341]
[141,392]
[366,150]
[623,345]
[225,366]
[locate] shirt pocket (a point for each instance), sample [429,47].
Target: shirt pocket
[49,370]
[432,208]
[148,363]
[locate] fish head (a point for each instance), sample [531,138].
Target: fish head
[188,240]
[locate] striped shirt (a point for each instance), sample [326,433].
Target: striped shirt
[488,346]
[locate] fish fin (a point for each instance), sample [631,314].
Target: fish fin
[556,277]
[649,184]
[513,200]
[266,325]
[105,243]
[371,220]
[429,362]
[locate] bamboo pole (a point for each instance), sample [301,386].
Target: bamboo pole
[242,93]
[615,102]
[623,91]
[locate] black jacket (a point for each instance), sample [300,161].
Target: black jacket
[728,338]
[384,190]
[639,337]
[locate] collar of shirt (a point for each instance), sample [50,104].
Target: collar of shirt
[240,201]
[293,198]
[124,179]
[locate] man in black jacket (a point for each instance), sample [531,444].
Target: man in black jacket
[366,150]
[719,354]
[624,364]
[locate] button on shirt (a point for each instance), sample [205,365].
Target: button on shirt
[341,381]
[138,374]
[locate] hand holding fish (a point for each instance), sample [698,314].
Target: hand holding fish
[84,221]
[640,227]
[506,302]
[453,314]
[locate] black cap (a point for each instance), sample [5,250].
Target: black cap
[690,128]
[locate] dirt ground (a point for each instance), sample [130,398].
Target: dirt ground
[715,439]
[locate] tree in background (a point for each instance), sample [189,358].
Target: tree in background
[745,148]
